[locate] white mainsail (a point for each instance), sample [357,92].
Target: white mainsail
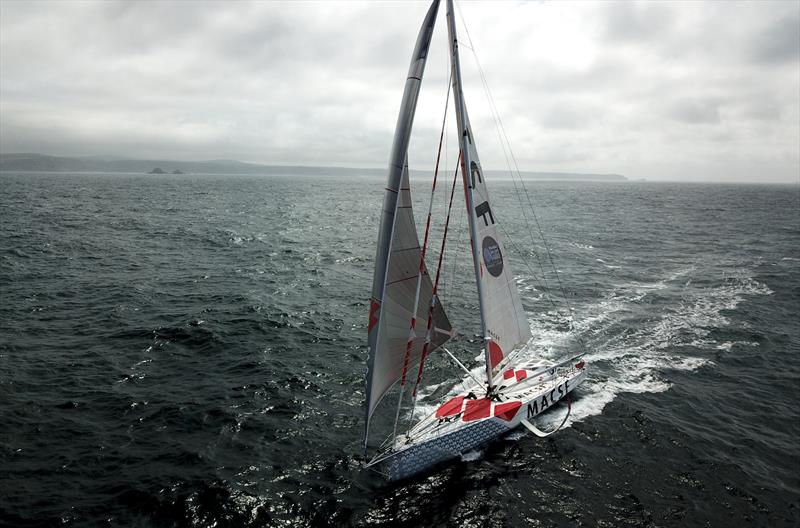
[505,326]
[397,262]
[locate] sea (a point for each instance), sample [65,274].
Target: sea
[190,351]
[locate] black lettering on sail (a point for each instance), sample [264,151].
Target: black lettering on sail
[482,210]
[476,173]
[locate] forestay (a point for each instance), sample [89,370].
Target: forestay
[397,262]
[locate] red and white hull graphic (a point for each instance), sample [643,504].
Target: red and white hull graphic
[466,421]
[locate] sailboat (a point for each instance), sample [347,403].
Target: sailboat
[407,321]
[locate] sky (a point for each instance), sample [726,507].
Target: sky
[687,91]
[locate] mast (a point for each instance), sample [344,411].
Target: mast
[504,325]
[466,161]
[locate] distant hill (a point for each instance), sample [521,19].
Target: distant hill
[578,176]
[30,162]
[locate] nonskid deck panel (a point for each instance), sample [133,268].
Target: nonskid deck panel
[422,456]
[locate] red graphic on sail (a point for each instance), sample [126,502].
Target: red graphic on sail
[373,314]
[495,354]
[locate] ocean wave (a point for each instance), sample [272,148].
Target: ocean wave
[626,352]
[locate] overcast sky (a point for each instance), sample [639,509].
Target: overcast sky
[656,90]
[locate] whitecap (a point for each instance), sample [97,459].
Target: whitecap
[471,456]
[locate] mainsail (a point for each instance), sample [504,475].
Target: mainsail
[397,262]
[505,326]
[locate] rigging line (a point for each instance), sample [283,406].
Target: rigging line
[546,288]
[436,285]
[426,345]
[444,289]
[530,203]
[420,272]
[459,239]
[546,246]
[527,265]
[450,281]
[516,352]
[495,119]
[459,244]
[461,365]
[446,136]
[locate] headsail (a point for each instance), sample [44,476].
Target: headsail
[398,254]
[505,326]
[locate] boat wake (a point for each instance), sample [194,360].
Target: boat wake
[636,334]
[640,331]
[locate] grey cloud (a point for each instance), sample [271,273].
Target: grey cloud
[637,21]
[592,87]
[696,111]
[566,115]
[758,107]
[603,74]
[780,42]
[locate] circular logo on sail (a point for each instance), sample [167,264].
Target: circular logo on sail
[492,256]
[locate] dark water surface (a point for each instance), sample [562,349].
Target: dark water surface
[190,351]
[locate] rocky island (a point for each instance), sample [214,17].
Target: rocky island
[159,170]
